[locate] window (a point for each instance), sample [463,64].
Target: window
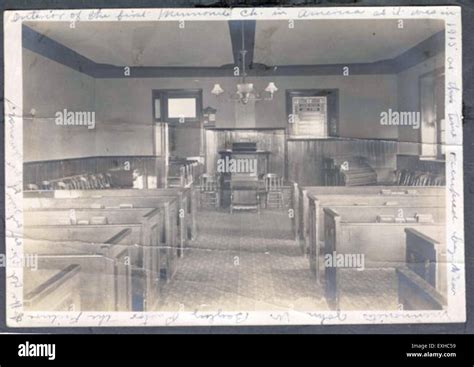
[157,109]
[432,129]
[310,116]
[312,113]
[177,105]
[182,108]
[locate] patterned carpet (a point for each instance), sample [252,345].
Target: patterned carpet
[371,289]
[246,261]
[243,261]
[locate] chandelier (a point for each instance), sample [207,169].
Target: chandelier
[245,91]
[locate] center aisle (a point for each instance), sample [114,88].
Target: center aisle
[243,261]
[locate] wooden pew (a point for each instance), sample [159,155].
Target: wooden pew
[410,211]
[186,201]
[422,283]
[52,290]
[415,209]
[169,204]
[109,241]
[156,248]
[166,205]
[301,202]
[426,255]
[316,203]
[415,293]
[136,263]
[152,220]
[97,277]
[382,244]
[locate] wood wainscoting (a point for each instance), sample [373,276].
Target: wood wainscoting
[151,167]
[305,160]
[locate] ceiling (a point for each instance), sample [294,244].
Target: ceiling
[144,43]
[208,44]
[338,42]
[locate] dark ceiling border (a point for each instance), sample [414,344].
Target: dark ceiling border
[47,47]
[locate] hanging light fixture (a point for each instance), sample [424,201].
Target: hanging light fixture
[245,91]
[217,90]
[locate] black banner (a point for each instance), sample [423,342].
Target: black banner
[432,349]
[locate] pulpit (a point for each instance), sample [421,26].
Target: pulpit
[243,168]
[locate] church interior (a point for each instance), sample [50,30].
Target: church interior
[234,165]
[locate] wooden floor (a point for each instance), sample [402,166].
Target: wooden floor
[247,261]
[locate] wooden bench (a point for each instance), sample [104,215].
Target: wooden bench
[422,283]
[400,211]
[110,210]
[155,250]
[426,255]
[301,202]
[382,244]
[415,293]
[316,203]
[186,201]
[52,290]
[154,222]
[166,205]
[109,241]
[97,277]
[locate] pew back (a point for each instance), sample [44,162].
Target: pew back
[111,242]
[117,211]
[186,196]
[97,277]
[169,203]
[364,200]
[52,290]
[301,203]
[426,255]
[156,250]
[364,214]
[381,244]
[415,293]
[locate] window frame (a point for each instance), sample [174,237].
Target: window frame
[439,145]
[165,94]
[332,110]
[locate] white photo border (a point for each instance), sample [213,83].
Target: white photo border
[16,317]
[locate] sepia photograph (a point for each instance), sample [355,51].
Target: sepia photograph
[244,166]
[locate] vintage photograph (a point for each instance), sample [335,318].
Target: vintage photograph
[234,166]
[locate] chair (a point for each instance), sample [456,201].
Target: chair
[94,184]
[244,195]
[177,176]
[108,181]
[209,191]
[101,181]
[60,185]
[274,190]
[84,183]
[32,187]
